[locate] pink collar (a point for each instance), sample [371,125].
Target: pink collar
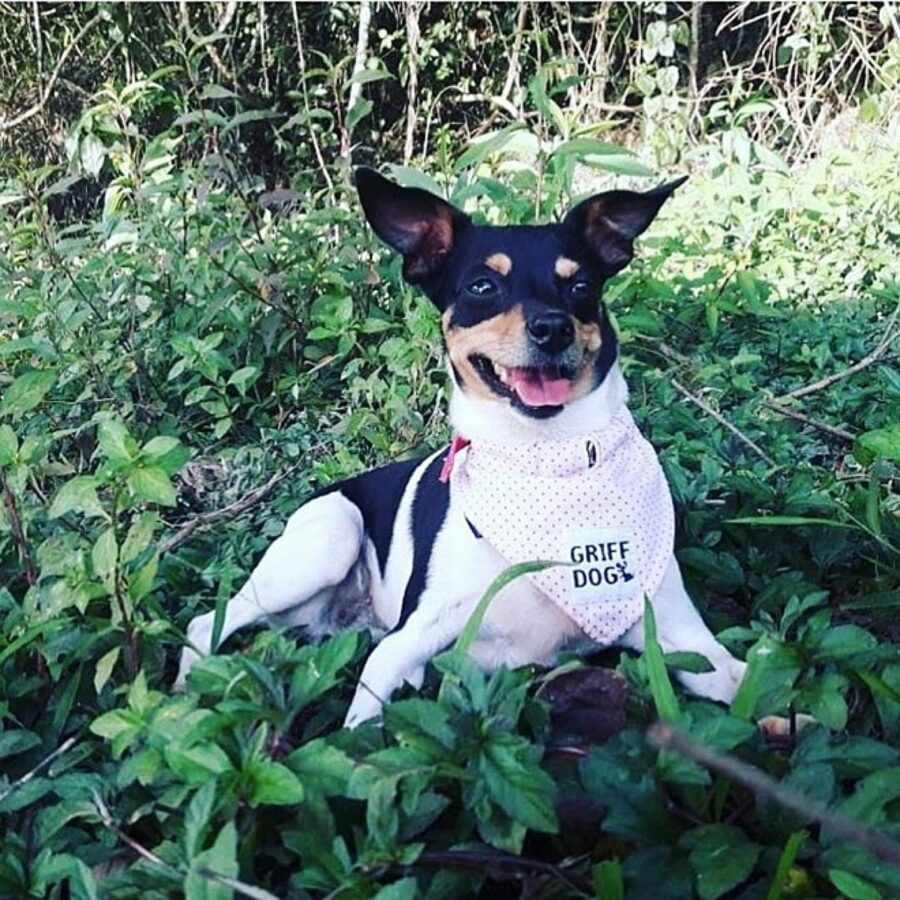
[458,443]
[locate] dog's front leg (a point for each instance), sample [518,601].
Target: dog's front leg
[679,627]
[402,654]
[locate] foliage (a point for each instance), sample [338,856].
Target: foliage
[221,315]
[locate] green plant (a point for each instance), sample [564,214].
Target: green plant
[210,315]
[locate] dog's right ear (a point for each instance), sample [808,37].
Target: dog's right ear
[418,224]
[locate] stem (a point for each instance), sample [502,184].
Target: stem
[359,63]
[48,90]
[130,638]
[18,532]
[763,785]
[317,149]
[412,38]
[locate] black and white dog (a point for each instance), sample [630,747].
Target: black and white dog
[546,464]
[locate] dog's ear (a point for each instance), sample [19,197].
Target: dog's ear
[608,223]
[418,224]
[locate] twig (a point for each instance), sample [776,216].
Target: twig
[699,401]
[500,102]
[18,531]
[38,39]
[239,887]
[359,64]
[807,420]
[314,140]
[891,333]
[512,73]
[761,784]
[65,745]
[474,860]
[51,81]
[211,51]
[412,83]
[667,351]
[248,501]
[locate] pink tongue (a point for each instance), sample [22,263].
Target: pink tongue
[536,388]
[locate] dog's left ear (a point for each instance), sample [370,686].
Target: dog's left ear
[418,224]
[608,223]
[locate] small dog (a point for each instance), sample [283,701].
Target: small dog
[546,464]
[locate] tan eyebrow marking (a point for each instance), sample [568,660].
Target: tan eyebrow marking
[566,267]
[499,263]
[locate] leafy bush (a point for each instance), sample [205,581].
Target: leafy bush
[203,332]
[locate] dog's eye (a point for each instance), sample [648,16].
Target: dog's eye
[581,288]
[482,287]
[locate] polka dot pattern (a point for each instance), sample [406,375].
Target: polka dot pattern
[598,501]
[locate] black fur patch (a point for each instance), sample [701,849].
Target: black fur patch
[377,494]
[429,510]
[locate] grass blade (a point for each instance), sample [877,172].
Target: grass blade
[660,686]
[467,635]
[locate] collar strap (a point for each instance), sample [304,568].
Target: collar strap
[458,443]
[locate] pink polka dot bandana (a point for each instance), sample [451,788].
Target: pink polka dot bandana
[598,502]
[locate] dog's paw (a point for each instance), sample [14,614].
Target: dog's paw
[781,730]
[364,707]
[189,658]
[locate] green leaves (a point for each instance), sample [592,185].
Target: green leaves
[721,857]
[219,860]
[516,783]
[882,443]
[79,494]
[115,443]
[198,314]
[272,783]
[26,392]
[153,485]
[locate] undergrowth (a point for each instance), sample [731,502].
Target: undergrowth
[167,356]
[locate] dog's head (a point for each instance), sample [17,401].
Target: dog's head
[520,305]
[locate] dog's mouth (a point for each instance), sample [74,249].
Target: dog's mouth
[532,387]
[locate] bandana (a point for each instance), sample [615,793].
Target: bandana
[597,501]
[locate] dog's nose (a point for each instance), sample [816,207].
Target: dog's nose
[552,331]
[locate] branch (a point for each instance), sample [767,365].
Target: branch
[65,745]
[512,74]
[18,531]
[248,501]
[211,51]
[312,131]
[359,63]
[412,39]
[807,420]
[876,842]
[239,887]
[472,859]
[499,102]
[891,333]
[51,82]
[722,421]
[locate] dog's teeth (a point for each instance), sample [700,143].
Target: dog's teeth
[501,372]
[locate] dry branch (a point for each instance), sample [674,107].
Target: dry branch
[247,502]
[808,420]
[239,887]
[829,380]
[51,82]
[65,745]
[764,785]
[699,401]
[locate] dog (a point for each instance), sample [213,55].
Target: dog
[546,463]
